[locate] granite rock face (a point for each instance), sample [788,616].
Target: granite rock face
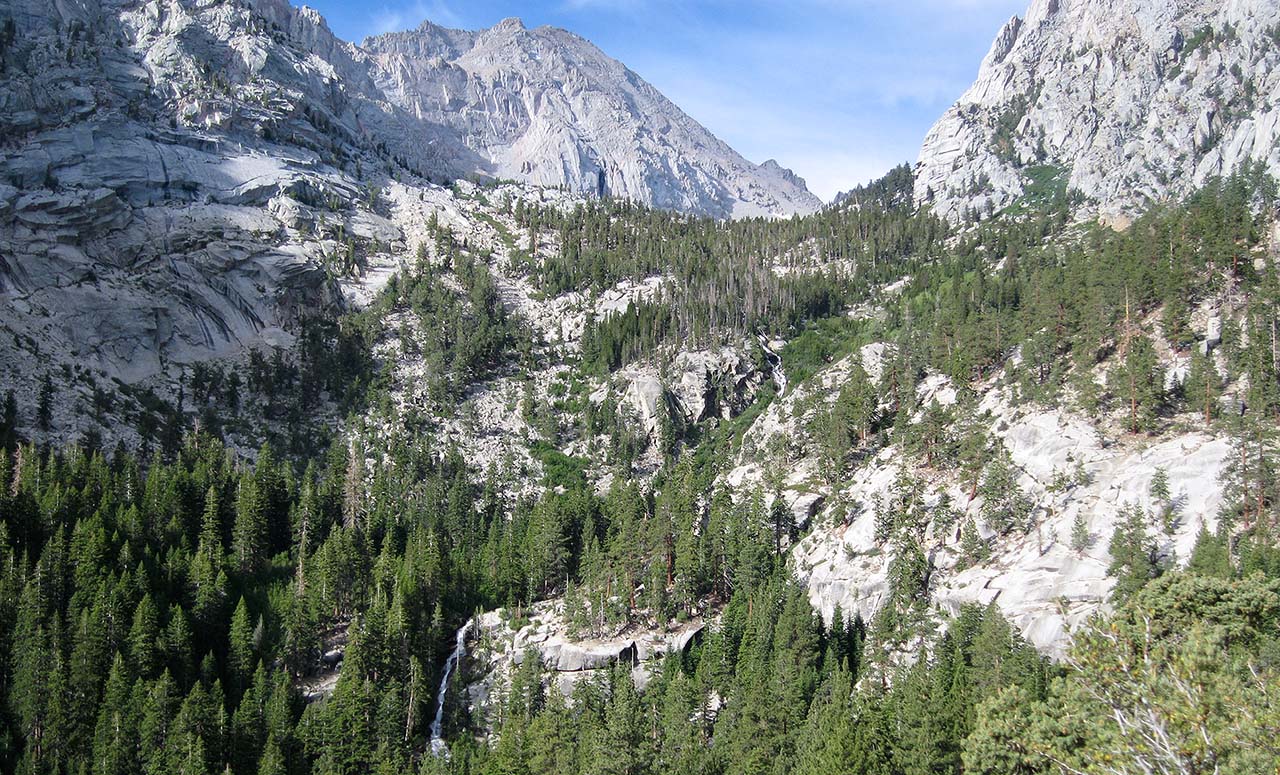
[547,107]
[148,218]
[502,643]
[182,180]
[1066,466]
[1124,101]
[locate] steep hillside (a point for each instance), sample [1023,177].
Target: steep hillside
[187,181]
[180,183]
[1126,102]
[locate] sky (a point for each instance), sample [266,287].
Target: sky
[840,91]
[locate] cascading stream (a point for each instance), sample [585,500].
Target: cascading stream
[775,360]
[438,745]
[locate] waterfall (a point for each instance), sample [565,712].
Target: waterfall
[775,360]
[438,745]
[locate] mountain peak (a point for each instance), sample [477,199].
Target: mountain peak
[786,173]
[1004,42]
[561,113]
[509,24]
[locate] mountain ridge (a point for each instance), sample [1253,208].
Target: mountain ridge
[548,107]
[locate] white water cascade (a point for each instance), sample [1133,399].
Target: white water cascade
[775,360]
[438,745]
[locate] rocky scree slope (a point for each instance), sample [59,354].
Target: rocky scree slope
[1124,101]
[547,107]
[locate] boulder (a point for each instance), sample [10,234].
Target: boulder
[1212,334]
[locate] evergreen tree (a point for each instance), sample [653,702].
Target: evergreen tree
[115,741]
[8,428]
[272,761]
[1139,380]
[145,654]
[1133,554]
[44,405]
[621,746]
[158,710]
[1081,538]
[826,746]
[998,742]
[1202,386]
[1004,505]
[1210,556]
[973,549]
[249,534]
[240,655]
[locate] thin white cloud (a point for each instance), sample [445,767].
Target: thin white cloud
[610,5]
[405,16]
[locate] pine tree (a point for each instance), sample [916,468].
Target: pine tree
[1202,386]
[44,406]
[115,741]
[353,488]
[8,428]
[179,648]
[144,640]
[1081,538]
[999,741]
[973,549]
[1159,487]
[1249,481]
[206,577]
[920,742]
[91,657]
[1004,505]
[1210,556]
[1162,503]
[158,711]
[783,521]
[272,761]
[249,534]
[31,693]
[248,728]
[826,745]
[1138,379]
[973,454]
[240,655]
[1133,560]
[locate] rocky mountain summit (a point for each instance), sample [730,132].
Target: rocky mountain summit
[545,106]
[1127,102]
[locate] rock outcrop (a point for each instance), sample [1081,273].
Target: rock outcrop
[696,385]
[149,221]
[1065,466]
[1041,583]
[503,644]
[1124,101]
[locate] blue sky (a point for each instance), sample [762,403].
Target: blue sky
[838,90]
